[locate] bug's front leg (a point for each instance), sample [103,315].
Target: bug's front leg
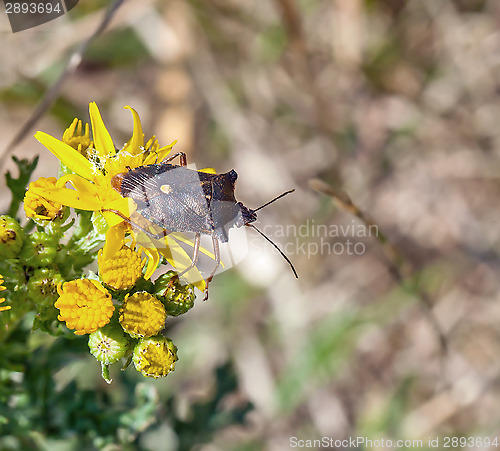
[182,158]
[156,236]
[196,250]
[215,242]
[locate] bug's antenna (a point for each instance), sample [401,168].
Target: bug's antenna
[273,243]
[273,200]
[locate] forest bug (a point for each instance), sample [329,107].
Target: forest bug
[179,199]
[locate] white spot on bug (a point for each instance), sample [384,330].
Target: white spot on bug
[167,189]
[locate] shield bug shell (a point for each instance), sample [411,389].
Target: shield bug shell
[179,199]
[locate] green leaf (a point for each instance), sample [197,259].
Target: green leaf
[207,417]
[18,185]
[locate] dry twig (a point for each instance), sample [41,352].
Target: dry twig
[51,94]
[400,267]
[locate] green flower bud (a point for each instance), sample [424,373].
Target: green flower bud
[155,356]
[39,249]
[42,288]
[11,237]
[178,299]
[108,344]
[56,226]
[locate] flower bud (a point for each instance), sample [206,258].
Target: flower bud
[108,344]
[78,137]
[11,237]
[178,299]
[122,270]
[155,356]
[39,249]
[142,315]
[42,288]
[37,207]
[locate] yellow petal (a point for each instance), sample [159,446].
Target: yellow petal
[82,185]
[159,155]
[125,206]
[180,260]
[153,260]
[137,140]
[114,241]
[200,284]
[68,156]
[184,239]
[102,140]
[99,286]
[70,131]
[118,165]
[69,197]
[111,218]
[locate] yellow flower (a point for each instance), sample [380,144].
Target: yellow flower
[142,315]
[84,305]
[7,307]
[79,141]
[155,356]
[35,206]
[91,177]
[122,270]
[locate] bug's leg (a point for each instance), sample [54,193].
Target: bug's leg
[196,250]
[182,158]
[215,242]
[155,236]
[172,280]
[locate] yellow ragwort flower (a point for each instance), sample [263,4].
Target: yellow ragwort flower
[91,177]
[155,356]
[74,137]
[7,307]
[142,315]
[37,207]
[122,270]
[90,180]
[84,305]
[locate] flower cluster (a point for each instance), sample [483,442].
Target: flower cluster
[122,309]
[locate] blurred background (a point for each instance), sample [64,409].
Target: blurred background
[391,331]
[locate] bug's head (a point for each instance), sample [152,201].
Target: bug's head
[248,214]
